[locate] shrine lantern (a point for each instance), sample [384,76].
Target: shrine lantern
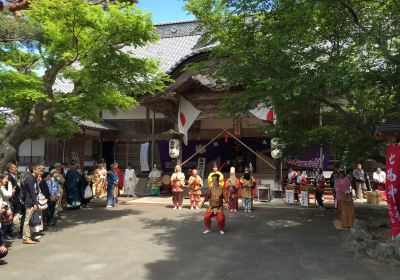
[174,148]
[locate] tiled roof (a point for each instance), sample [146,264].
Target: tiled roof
[169,51]
[178,29]
[96,126]
[63,85]
[178,41]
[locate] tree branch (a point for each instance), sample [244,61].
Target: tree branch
[367,130]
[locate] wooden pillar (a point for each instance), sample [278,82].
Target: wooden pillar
[153,138]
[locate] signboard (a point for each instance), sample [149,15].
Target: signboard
[144,159]
[393,187]
[304,198]
[290,196]
[236,127]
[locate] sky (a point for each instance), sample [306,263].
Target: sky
[165,10]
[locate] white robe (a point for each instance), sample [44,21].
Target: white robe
[129,182]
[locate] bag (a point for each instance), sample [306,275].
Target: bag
[88,192]
[35,219]
[42,201]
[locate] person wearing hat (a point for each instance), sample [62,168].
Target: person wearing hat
[232,187]
[72,186]
[195,184]
[215,171]
[177,183]
[218,199]
[248,183]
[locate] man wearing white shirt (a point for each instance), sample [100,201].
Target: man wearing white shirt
[379,179]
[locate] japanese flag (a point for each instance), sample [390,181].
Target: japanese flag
[186,116]
[263,113]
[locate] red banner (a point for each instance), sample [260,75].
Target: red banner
[393,187]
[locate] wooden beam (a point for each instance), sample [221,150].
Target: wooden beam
[251,150]
[199,151]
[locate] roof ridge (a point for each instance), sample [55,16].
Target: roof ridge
[176,22]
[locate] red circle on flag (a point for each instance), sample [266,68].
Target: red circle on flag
[183,119]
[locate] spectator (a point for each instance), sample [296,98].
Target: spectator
[31,203]
[3,249]
[319,183]
[54,196]
[5,194]
[342,185]
[118,172]
[85,181]
[359,181]
[72,186]
[18,197]
[378,180]
[112,180]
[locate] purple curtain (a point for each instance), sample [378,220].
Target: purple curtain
[226,150]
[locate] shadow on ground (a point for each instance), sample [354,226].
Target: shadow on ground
[97,213]
[266,244]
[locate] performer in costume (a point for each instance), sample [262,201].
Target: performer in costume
[218,200]
[177,183]
[215,171]
[154,181]
[130,181]
[100,181]
[195,184]
[247,182]
[232,187]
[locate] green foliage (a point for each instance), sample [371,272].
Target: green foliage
[83,44]
[298,56]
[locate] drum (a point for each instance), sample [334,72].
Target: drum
[166,180]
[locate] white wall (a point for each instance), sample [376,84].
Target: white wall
[135,114]
[32,148]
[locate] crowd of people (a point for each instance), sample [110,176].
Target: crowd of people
[356,183]
[30,201]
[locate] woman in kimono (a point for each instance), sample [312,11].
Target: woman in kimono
[342,185]
[100,181]
[130,181]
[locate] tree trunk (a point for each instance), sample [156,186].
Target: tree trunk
[11,138]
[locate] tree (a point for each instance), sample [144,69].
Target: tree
[341,56]
[79,44]
[16,6]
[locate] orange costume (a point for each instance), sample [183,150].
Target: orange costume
[177,183]
[195,184]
